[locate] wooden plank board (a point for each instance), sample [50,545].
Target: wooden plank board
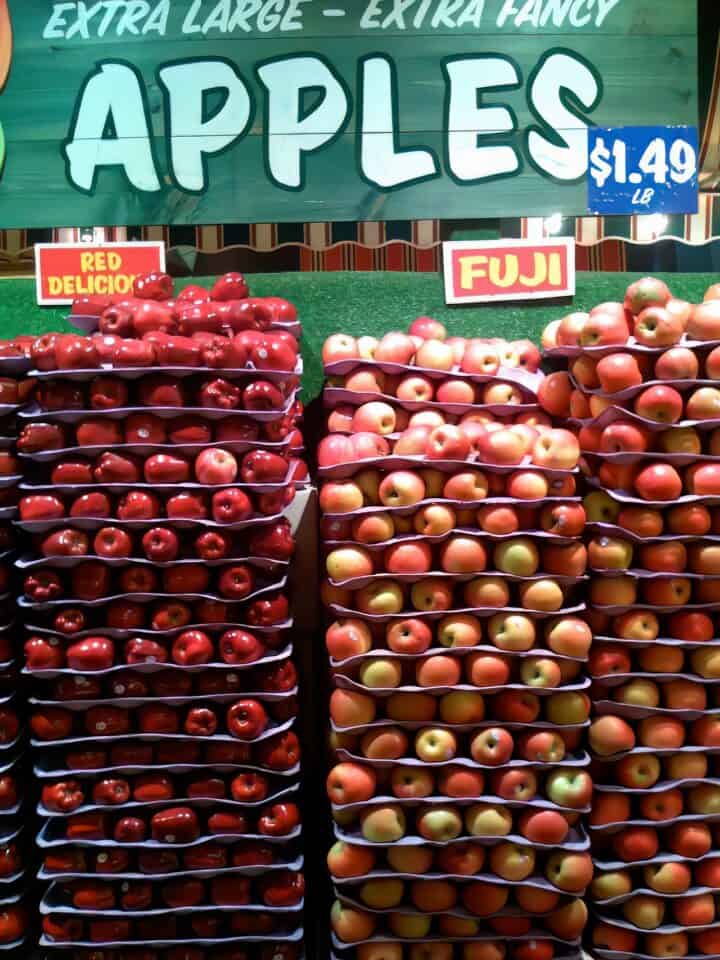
[643,54]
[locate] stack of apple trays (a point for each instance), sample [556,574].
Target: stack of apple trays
[452,545]
[158,642]
[16,841]
[646,400]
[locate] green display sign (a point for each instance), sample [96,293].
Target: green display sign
[216,111]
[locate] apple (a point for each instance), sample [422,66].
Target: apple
[623,436]
[660,403]
[584,372]
[467,485]
[434,520]
[606,325]
[512,862]
[569,636]
[339,347]
[488,820]
[611,884]
[431,594]
[638,693]
[380,674]
[543,595]
[661,732]
[404,706]
[439,823]
[409,557]
[544,746]
[657,327]
[435,744]
[618,371]
[694,911]
[374,417]
[350,708]
[347,562]
[463,554]
[554,393]
[395,347]
[703,479]
[350,783]
[658,481]
[409,859]
[401,488]
[600,507]
[609,735]
[638,770]
[609,937]
[569,788]
[409,636]
[383,824]
[461,706]
[570,329]
[385,744]
[557,449]
[492,747]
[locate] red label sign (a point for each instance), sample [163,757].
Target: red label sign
[64,271]
[508,270]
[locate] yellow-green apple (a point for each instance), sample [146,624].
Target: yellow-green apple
[409,859]
[584,371]
[439,823]
[395,347]
[569,636]
[569,787]
[638,693]
[409,926]
[387,743]
[609,735]
[459,630]
[461,782]
[383,824]
[513,632]
[611,884]
[488,820]
[638,770]
[401,488]
[512,862]
[340,497]
[571,872]
[545,595]
[350,783]
[347,562]
[347,860]
[382,893]
[492,747]
[484,592]
[369,482]
[704,798]
[409,636]
[463,554]
[514,784]
[373,528]
[431,594]
[544,826]
[610,553]
[350,924]
[557,449]
[380,597]
[517,557]
[703,404]
[435,745]
[540,672]
[706,663]
[685,440]
[545,746]
[380,673]
[601,508]
[434,520]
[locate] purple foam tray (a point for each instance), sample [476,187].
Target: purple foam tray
[334,397]
[384,653]
[44,770]
[458,727]
[294,936]
[338,609]
[31,561]
[95,523]
[536,803]
[238,447]
[171,370]
[257,871]
[631,712]
[454,504]
[344,471]
[577,760]
[347,683]
[577,841]
[50,836]
[130,703]
[357,583]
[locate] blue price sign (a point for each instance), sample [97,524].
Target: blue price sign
[642,170]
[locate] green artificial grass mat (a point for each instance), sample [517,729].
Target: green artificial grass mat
[371,303]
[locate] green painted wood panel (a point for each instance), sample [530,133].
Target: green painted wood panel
[642,57]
